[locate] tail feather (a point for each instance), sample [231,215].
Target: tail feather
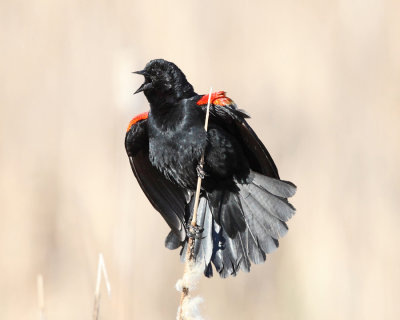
[264,239]
[255,253]
[261,204]
[270,203]
[225,207]
[218,246]
[242,241]
[280,188]
[204,248]
[230,255]
[255,213]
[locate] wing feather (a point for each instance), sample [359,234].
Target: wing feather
[166,197]
[225,112]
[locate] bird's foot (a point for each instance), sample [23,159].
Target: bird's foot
[194,232]
[200,172]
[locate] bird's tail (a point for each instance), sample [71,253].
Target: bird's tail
[240,227]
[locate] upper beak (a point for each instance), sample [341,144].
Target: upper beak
[144,86]
[141,72]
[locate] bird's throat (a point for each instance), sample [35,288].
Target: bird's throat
[166,116]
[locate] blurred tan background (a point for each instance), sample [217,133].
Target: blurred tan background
[321,81]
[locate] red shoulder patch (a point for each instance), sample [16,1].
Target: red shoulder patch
[139,117]
[217,98]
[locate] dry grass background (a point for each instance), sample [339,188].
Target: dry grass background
[321,80]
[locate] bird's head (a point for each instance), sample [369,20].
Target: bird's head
[164,82]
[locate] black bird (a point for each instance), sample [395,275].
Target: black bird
[243,204]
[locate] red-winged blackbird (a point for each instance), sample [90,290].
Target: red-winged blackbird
[243,204]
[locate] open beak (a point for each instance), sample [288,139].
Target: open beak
[144,86]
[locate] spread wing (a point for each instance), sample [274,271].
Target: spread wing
[166,197]
[224,112]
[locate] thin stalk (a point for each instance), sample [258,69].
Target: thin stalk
[190,252]
[101,269]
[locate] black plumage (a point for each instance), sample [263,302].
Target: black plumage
[243,206]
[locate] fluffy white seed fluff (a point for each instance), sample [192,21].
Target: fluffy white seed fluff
[190,305]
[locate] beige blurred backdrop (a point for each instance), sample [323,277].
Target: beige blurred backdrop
[321,81]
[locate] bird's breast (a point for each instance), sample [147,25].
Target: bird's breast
[176,153]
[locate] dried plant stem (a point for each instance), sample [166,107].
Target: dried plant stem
[40,290]
[96,307]
[101,269]
[190,252]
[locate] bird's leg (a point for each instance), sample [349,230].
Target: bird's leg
[194,232]
[200,172]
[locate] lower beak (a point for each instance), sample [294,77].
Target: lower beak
[144,86]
